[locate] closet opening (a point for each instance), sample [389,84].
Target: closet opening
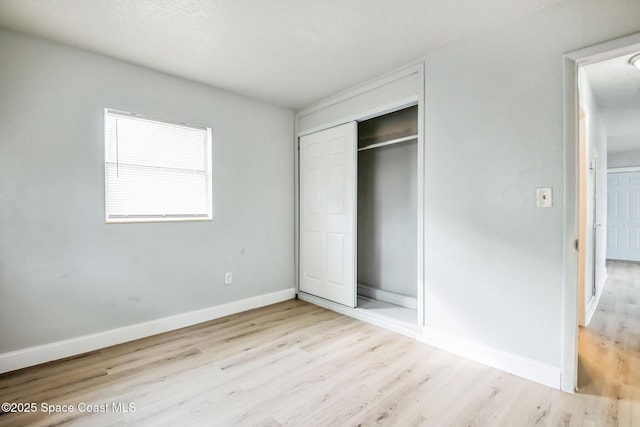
[387,215]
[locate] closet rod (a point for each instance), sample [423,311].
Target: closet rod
[392,141]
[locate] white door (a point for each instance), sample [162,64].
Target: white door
[327,214]
[623,224]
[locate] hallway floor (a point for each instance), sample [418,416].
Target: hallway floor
[609,348]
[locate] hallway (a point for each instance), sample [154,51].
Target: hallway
[609,348]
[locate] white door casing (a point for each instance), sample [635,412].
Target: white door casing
[623,209]
[327,214]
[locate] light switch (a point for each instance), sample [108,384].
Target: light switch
[543,197]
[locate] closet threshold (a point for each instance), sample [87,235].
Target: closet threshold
[366,315]
[390,142]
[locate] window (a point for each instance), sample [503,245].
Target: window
[156,170]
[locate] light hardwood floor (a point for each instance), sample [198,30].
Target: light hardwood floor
[296,364]
[609,348]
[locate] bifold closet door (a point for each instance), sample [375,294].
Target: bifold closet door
[327,213]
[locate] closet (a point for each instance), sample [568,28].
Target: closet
[387,214]
[358,214]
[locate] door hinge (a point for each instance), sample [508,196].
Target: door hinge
[576,244]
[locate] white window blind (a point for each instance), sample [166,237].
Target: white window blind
[155,170]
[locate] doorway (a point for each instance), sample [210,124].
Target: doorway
[588,136]
[592,152]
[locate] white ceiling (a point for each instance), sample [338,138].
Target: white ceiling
[616,88]
[287,52]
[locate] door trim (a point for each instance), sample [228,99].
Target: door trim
[360,89]
[570,63]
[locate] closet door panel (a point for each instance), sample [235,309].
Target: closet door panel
[327,214]
[335,191]
[336,255]
[313,255]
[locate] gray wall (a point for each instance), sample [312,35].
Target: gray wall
[623,159]
[493,133]
[63,271]
[387,220]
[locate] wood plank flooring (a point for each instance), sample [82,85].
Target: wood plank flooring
[609,348]
[295,364]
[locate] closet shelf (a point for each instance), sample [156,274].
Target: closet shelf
[390,142]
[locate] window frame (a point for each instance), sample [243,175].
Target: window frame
[158,218]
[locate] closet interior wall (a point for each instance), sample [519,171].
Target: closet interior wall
[387,207]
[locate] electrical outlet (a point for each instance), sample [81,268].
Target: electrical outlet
[228,278]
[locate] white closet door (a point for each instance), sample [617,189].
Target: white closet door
[327,214]
[623,216]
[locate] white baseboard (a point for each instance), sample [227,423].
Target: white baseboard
[521,366]
[593,303]
[389,323]
[45,353]
[386,296]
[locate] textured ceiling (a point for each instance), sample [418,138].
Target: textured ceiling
[287,52]
[616,88]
